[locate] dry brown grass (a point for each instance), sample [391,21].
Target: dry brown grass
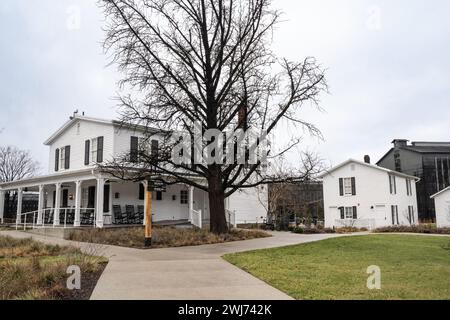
[162,237]
[32,270]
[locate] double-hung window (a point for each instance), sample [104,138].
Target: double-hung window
[348,212]
[347,186]
[408,187]
[392,184]
[94,149]
[411,217]
[62,160]
[394,211]
[184,197]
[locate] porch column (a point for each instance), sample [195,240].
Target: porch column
[100,202]
[77,221]
[145,184]
[2,206]
[191,202]
[40,205]
[19,205]
[56,220]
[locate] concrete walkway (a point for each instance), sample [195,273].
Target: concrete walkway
[188,273]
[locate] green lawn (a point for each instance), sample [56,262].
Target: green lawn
[412,267]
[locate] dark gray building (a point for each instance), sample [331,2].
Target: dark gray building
[430,161]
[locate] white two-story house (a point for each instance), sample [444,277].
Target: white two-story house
[362,195]
[76,193]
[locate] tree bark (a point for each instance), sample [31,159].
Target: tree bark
[218,224]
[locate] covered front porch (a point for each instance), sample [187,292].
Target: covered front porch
[91,199]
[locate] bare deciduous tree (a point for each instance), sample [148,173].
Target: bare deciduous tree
[207,61]
[16,164]
[291,180]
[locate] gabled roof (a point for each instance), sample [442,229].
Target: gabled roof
[369,166]
[440,192]
[69,123]
[76,118]
[423,148]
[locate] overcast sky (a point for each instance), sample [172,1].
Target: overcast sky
[388,69]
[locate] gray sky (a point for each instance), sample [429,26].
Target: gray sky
[388,70]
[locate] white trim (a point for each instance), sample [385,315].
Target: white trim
[369,166]
[440,192]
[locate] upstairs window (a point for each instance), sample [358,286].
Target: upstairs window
[392,184]
[408,187]
[347,186]
[94,149]
[62,158]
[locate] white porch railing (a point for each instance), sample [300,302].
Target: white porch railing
[356,223]
[197,219]
[30,219]
[231,218]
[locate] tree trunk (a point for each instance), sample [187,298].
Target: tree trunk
[218,224]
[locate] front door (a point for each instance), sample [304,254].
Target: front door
[65,198]
[91,197]
[106,198]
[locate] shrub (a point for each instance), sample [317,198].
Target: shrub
[306,230]
[162,237]
[350,230]
[422,228]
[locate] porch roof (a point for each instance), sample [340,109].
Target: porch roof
[68,176]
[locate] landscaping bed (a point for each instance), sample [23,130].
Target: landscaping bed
[423,228]
[31,270]
[321,230]
[412,267]
[163,237]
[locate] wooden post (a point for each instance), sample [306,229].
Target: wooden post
[148,215]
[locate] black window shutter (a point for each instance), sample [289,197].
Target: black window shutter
[354,186]
[355,213]
[134,149]
[159,195]
[57,160]
[155,148]
[87,150]
[342,212]
[341,186]
[100,142]
[141,192]
[390,184]
[67,158]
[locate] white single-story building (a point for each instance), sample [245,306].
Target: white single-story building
[76,193]
[442,203]
[362,195]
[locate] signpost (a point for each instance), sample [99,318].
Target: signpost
[151,186]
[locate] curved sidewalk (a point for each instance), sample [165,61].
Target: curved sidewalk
[187,273]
